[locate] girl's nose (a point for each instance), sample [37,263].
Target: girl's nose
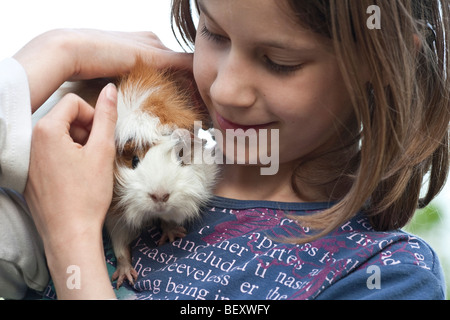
[235,83]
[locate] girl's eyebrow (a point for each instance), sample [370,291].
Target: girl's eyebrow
[287,46]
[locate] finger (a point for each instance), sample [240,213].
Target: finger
[163,57]
[175,60]
[105,118]
[72,109]
[79,134]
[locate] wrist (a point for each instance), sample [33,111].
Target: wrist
[50,56]
[78,268]
[63,242]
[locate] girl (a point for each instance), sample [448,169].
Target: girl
[362,116]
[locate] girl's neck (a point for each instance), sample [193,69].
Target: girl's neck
[247,183]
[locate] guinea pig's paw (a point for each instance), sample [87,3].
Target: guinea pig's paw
[171,231]
[124,272]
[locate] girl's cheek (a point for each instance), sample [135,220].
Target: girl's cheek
[203,73]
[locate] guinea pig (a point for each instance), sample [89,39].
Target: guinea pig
[155,181]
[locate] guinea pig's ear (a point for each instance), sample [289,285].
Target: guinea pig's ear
[183,146]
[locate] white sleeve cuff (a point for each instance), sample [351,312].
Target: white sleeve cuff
[15,125]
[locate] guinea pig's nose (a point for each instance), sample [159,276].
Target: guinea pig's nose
[159,197]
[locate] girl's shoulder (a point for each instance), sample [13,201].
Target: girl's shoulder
[392,265]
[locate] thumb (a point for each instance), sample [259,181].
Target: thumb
[105,118]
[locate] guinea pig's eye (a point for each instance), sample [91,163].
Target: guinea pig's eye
[135,162]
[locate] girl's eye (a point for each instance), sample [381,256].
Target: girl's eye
[212,36]
[135,162]
[279,68]
[272,66]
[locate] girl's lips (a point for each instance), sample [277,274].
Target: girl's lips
[226,124]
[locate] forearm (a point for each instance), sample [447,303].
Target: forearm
[78,269]
[47,61]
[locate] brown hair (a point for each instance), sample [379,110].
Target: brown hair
[402,113]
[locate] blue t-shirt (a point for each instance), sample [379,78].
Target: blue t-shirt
[236,251]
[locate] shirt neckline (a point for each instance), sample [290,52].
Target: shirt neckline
[228,203]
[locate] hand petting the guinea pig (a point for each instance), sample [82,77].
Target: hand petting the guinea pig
[70,180]
[77,54]
[70,188]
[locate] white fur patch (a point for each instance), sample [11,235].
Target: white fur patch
[133,123]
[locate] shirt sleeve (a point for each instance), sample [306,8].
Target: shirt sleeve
[15,125]
[22,260]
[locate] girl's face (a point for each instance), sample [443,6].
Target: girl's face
[255,67]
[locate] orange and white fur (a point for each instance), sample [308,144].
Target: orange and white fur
[152,183]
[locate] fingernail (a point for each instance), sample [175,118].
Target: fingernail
[111,92]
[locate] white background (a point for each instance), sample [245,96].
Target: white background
[21,20]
